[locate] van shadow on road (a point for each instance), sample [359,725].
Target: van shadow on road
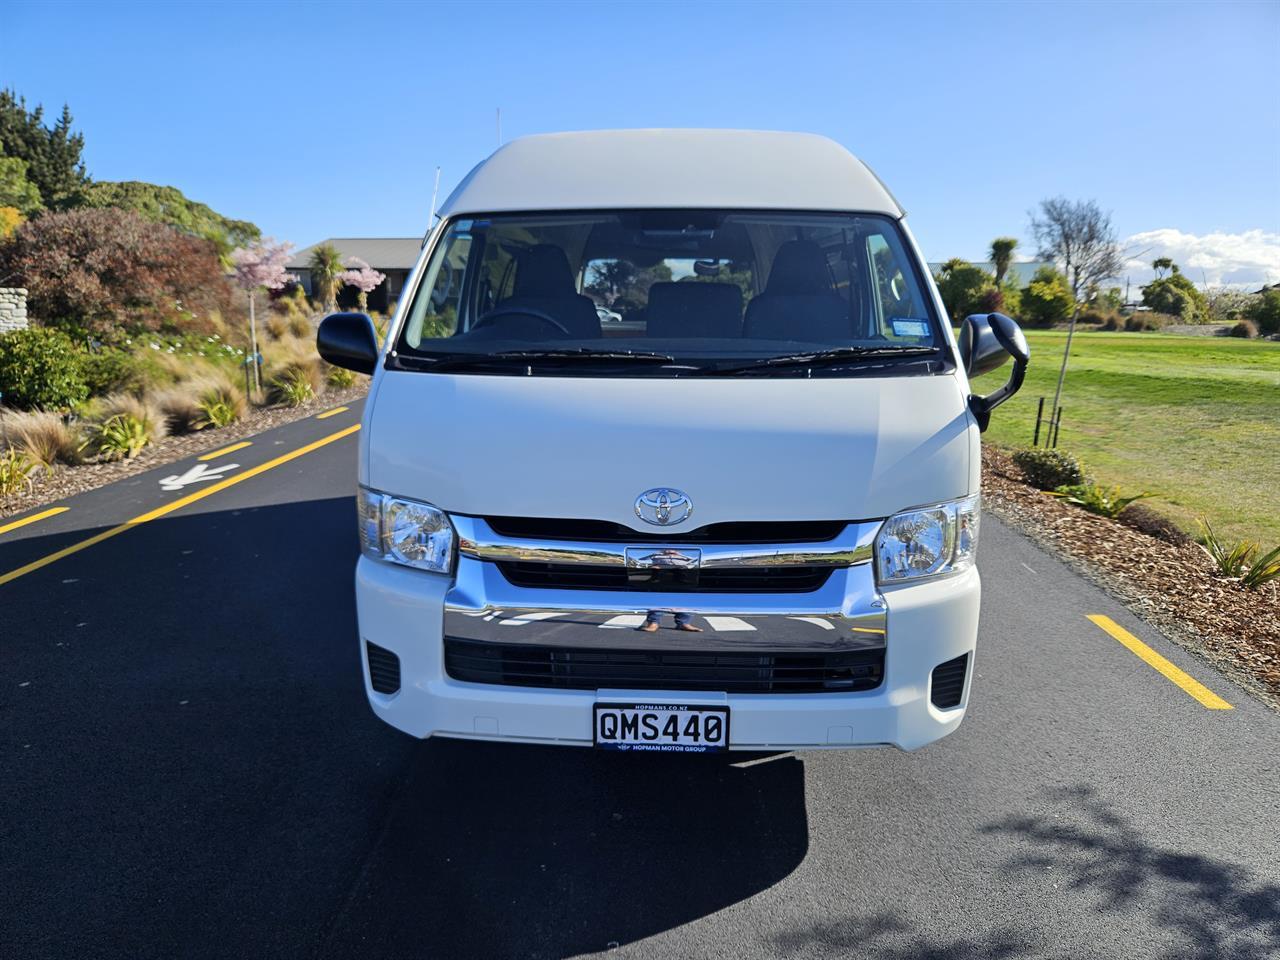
[195,769]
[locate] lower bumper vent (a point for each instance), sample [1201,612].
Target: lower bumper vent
[948,682]
[384,668]
[574,668]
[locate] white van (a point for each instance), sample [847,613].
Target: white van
[741,516]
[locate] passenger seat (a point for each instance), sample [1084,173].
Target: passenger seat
[798,302]
[690,308]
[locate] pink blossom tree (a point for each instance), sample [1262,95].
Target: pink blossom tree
[261,264]
[363,277]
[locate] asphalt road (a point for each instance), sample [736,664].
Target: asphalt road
[188,769]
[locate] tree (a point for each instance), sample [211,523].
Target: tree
[1047,299]
[52,155]
[1078,236]
[260,265]
[963,288]
[16,188]
[10,219]
[325,264]
[1264,311]
[110,273]
[1001,256]
[169,205]
[363,277]
[1175,294]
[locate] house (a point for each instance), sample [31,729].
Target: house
[394,256]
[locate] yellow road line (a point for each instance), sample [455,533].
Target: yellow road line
[214,454]
[181,502]
[51,512]
[332,413]
[1192,687]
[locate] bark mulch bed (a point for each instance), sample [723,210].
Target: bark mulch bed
[1172,586]
[63,482]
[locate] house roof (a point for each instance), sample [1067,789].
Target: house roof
[381,253]
[607,169]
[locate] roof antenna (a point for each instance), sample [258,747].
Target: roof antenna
[435,192]
[499,120]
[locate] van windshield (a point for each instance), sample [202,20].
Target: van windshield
[670,293]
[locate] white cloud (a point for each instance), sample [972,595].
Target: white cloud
[1247,259]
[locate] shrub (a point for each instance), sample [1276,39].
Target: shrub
[221,405]
[109,371]
[1264,311]
[1113,323]
[180,408]
[122,436]
[1047,299]
[300,326]
[1239,561]
[1145,520]
[1245,329]
[1107,319]
[40,370]
[109,272]
[16,469]
[962,287]
[1139,322]
[1049,469]
[1177,296]
[276,326]
[44,437]
[340,377]
[1099,499]
[292,388]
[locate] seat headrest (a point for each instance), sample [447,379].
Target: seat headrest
[543,271]
[799,267]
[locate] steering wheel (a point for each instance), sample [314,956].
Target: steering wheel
[497,313]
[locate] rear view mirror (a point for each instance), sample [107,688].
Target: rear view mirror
[348,340]
[987,340]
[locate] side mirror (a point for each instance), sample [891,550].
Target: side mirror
[986,341]
[348,340]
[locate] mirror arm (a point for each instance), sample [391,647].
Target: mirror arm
[981,407]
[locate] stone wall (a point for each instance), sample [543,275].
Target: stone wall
[13,309]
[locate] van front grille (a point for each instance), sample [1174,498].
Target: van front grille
[574,668]
[745,579]
[603,531]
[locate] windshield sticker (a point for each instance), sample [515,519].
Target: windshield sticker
[910,328]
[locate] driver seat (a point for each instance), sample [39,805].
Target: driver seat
[544,283]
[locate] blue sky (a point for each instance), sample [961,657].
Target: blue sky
[318,120]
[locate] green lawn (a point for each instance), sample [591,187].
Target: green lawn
[1195,420]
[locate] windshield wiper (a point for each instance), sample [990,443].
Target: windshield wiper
[585,353]
[823,358]
[503,359]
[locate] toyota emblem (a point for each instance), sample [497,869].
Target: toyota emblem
[663,506]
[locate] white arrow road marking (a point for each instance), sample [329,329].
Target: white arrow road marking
[725,624]
[197,474]
[526,618]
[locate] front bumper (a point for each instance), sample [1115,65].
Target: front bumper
[406,612]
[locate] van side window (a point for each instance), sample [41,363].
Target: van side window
[892,296]
[436,314]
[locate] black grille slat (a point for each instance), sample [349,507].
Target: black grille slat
[384,668]
[578,669]
[948,682]
[603,531]
[577,576]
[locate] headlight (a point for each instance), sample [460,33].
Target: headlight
[929,542]
[405,531]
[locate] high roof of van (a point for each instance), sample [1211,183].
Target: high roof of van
[609,169]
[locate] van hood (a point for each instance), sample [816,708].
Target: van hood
[740,449]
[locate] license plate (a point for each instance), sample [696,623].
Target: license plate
[665,727]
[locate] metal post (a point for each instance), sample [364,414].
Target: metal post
[1057,425]
[1035,441]
[253,342]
